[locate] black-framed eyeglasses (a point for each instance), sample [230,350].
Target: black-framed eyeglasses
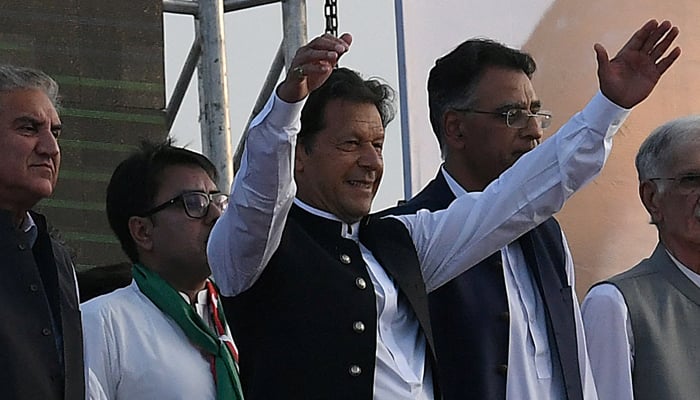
[686,183]
[196,203]
[516,117]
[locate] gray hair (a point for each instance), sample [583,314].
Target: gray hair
[658,151]
[17,78]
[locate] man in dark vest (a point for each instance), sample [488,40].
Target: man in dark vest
[330,302]
[641,325]
[510,327]
[41,346]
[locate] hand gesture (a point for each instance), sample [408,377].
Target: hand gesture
[632,74]
[312,65]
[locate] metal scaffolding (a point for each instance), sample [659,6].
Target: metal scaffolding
[208,55]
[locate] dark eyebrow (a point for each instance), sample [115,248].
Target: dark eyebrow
[535,104]
[27,119]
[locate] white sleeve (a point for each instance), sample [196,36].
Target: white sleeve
[247,234]
[475,225]
[610,342]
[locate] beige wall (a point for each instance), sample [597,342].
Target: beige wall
[606,224]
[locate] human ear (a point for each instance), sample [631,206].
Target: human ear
[454,129]
[141,230]
[651,198]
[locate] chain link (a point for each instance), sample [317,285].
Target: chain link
[331,12]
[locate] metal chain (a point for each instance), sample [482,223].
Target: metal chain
[331,12]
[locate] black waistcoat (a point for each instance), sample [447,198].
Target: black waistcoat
[38,286]
[470,316]
[307,327]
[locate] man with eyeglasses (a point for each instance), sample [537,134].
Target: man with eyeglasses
[642,325]
[314,279]
[509,327]
[165,335]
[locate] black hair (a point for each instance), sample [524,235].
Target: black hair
[343,84]
[455,76]
[136,181]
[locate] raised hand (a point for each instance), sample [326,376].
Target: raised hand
[312,65]
[632,74]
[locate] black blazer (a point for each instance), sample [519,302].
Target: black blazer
[39,316]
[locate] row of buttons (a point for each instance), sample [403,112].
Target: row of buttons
[357,326]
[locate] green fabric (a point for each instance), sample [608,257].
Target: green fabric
[169,301]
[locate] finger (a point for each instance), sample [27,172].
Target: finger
[309,56]
[639,37]
[347,38]
[666,62]
[317,68]
[663,45]
[601,56]
[329,42]
[655,36]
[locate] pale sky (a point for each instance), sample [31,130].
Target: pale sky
[252,38]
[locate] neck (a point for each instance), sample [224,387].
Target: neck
[183,284]
[16,216]
[688,255]
[461,173]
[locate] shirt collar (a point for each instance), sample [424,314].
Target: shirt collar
[347,231]
[28,226]
[455,187]
[692,275]
[201,297]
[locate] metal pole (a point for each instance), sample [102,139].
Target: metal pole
[215,122]
[183,81]
[293,28]
[270,83]
[295,36]
[187,7]
[190,7]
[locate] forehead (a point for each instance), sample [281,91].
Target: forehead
[176,179]
[686,157]
[343,117]
[498,85]
[33,103]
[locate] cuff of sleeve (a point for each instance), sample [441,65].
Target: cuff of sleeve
[279,113]
[602,115]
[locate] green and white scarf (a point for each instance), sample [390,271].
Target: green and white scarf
[169,301]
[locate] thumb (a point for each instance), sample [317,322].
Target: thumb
[601,56]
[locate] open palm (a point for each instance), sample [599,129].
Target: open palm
[632,74]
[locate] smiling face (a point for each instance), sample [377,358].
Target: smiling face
[481,146]
[29,153]
[341,172]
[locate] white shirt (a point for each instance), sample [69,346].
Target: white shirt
[610,337]
[135,352]
[447,242]
[531,374]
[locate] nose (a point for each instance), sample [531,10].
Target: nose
[47,144]
[213,213]
[533,129]
[370,157]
